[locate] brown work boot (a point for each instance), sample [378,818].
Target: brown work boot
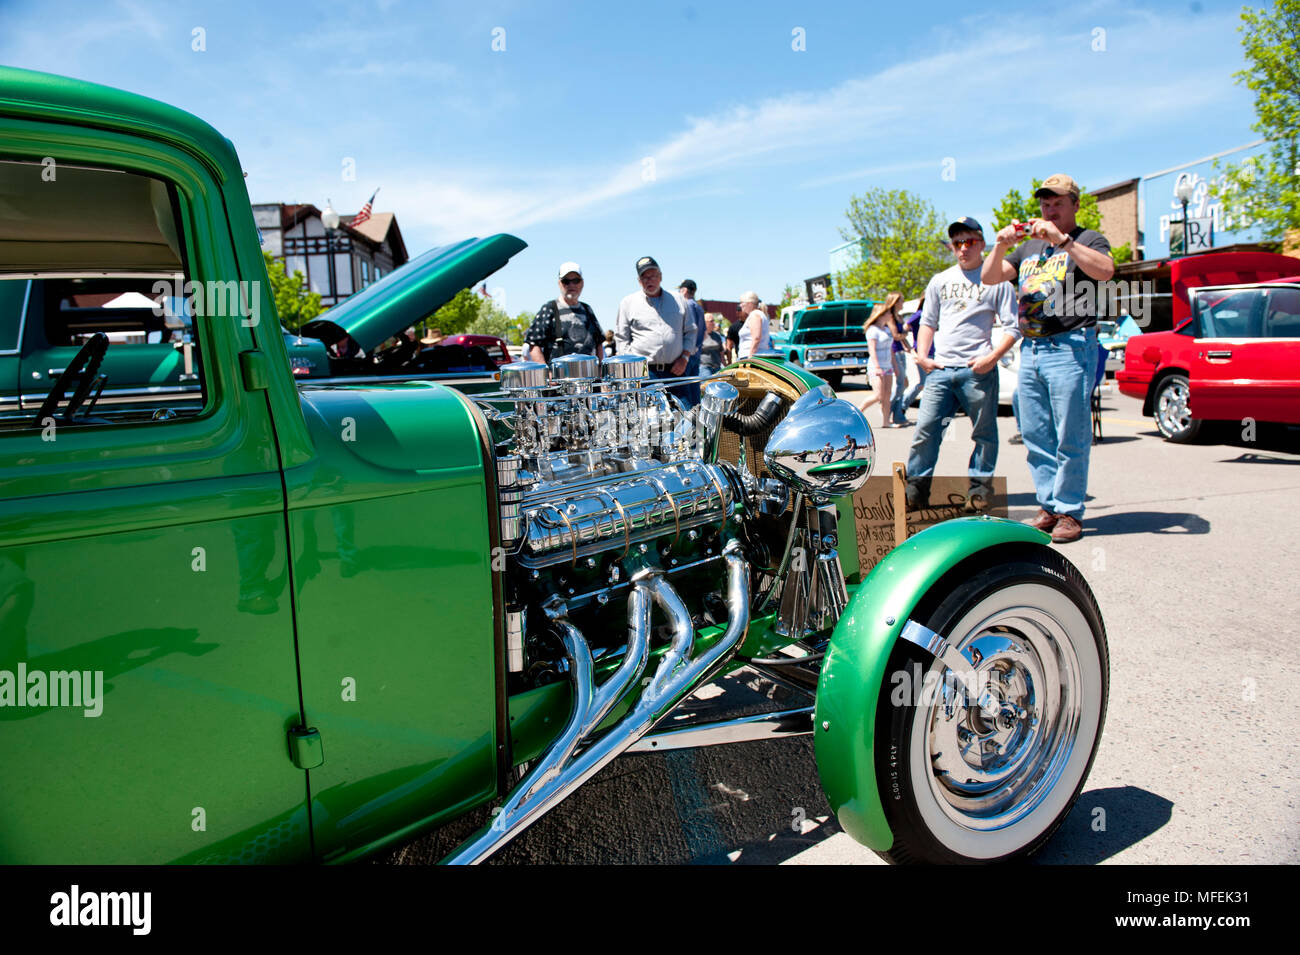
[1067,529]
[1043,520]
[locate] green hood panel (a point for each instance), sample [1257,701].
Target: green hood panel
[420,287]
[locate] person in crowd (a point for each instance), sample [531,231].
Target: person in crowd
[756,330]
[1056,270]
[958,317]
[911,327]
[650,323]
[898,350]
[565,325]
[610,347]
[712,346]
[733,340]
[880,368]
[693,310]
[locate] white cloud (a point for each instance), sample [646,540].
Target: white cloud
[997,95]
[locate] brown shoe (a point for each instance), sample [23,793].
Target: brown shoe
[1043,520]
[1067,529]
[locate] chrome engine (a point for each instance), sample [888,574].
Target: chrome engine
[614,502]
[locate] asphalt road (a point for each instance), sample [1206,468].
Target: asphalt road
[1192,553]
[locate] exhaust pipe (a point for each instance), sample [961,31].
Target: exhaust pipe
[560,771]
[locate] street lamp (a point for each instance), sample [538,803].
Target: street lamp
[1183,192]
[330,220]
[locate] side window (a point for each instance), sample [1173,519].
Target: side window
[1228,314]
[106,332]
[1282,315]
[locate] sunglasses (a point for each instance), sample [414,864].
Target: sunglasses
[962,243]
[577,281]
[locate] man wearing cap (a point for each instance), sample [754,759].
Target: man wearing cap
[958,316]
[1057,270]
[650,323]
[564,325]
[693,310]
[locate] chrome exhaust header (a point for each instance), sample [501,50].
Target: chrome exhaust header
[576,755]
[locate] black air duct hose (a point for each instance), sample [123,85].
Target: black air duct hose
[764,416]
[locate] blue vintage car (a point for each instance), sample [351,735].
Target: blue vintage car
[826,338]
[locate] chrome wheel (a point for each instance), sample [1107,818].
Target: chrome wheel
[984,759]
[1172,413]
[996,756]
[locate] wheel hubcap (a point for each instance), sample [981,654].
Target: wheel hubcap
[997,753]
[1172,410]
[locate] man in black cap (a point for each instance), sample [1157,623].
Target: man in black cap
[958,317]
[1057,269]
[650,323]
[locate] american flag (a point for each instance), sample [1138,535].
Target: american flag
[364,214]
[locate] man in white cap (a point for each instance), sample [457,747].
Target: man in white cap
[565,325]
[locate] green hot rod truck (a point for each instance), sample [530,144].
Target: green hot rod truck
[275,621]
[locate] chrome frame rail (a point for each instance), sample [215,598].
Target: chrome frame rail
[745,729]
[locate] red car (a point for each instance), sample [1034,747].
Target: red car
[1234,352]
[496,348]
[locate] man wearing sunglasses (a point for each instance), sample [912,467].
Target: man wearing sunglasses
[1057,269]
[958,318]
[565,325]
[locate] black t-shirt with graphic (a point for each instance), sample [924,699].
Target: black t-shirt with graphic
[1055,294]
[560,331]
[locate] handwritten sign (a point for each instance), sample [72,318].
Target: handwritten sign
[876,516]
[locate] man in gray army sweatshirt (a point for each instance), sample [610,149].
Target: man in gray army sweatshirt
[959,316]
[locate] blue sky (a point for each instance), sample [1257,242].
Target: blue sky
[696,133]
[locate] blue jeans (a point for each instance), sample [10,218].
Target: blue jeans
[898,410]
[1053,401]
[692,391]
[679,390]
[946,390]
[915,390]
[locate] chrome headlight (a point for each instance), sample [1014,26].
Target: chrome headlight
[816,354]
[823,447]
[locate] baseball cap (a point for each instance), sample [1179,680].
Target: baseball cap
[1058,185]
[568,267]
[644,263]
[964,225]
[688,283]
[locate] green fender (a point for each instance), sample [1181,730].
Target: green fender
[854,668]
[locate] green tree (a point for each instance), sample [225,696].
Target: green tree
[1122,253]
[492,320]
[1017,207]
[1265,190]
[901,237]
[293,303]
[790,294]
[458,314]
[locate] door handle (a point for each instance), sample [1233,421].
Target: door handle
[55,372]
[1218,354]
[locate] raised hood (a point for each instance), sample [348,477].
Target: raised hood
[415,291]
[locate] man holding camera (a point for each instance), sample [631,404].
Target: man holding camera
[1057,269]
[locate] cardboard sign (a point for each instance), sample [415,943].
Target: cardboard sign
[880,521]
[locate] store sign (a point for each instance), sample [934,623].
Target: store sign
[818,288]
[1200,236]
[1161,211]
